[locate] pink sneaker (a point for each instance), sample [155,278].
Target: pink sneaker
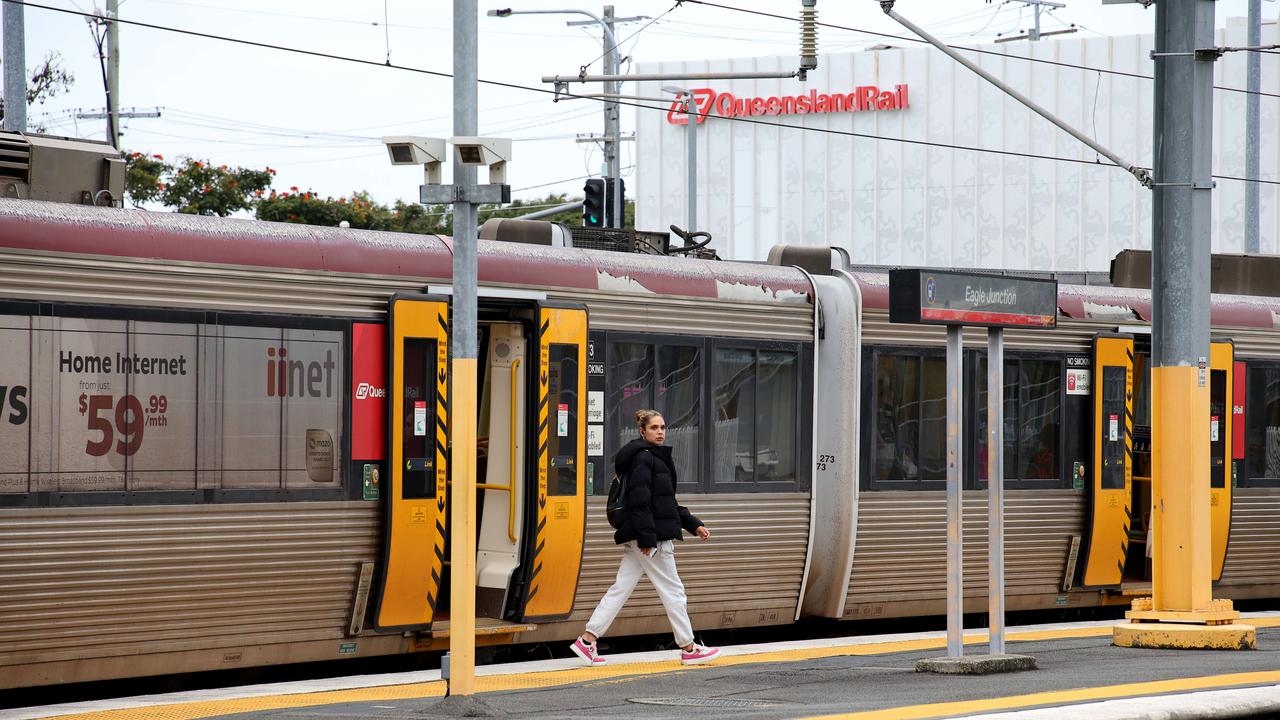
[698,655]
[587,651]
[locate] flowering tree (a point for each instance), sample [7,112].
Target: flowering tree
[196,187]
[358,211]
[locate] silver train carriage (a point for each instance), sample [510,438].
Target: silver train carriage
[224,443]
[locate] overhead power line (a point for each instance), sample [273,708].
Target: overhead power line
[906,38]
[663,107]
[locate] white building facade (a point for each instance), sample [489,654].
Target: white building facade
[822,163]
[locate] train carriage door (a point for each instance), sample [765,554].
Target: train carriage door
[557,515]
[1112,475]
[415,520]
[1221,394]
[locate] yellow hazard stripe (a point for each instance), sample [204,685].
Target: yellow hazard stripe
[622,671]
[1060,697]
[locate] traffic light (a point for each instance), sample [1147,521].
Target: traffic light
[615,222]
[593,203]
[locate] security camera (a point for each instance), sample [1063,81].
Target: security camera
[412,150]
[477,151]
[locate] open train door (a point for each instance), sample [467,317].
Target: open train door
[553,556]
[1221,429]
[1112,476]
[415,522]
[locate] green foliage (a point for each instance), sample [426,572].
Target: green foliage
[195,187]
[358,211]
[198,188]
[144,177]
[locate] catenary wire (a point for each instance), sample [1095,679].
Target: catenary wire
[906,38]
[545,91]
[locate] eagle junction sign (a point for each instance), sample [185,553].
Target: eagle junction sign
[864,98]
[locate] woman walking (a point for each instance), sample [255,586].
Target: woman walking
[653,521]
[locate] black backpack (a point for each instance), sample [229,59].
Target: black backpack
[615,508]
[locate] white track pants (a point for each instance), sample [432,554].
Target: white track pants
[661,569]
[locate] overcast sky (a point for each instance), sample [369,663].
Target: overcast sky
[318,121]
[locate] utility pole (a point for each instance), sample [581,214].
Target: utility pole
[1181,611]
[1252,243]
[119,114]
[113,73]
[612,127]
[15,68]
[463,356]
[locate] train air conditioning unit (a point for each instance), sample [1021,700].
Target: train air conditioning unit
[60,169]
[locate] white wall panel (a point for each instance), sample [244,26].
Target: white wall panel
[891,202]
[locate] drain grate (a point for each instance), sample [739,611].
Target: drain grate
[707,702]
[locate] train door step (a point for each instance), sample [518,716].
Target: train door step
[1135,588]
[484,626]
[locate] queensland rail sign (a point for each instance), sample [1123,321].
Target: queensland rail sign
[945,297]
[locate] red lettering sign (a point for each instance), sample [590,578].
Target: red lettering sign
[864,98]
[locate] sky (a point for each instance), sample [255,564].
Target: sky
[318,121]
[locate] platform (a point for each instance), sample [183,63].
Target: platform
[860,678]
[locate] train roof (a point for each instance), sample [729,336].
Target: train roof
[175,237]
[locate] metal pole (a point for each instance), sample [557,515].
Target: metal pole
[691,160]
[995,488]
[611,129]
[113,73]
[15,68]
[462,425]
[955,530]
[1183,125]
[1252,242]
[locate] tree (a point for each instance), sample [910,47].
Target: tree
[195,187]
[48,80]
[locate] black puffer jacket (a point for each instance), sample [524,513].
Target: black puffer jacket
[652,511]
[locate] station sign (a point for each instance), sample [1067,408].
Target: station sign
[944,297]
[714,103]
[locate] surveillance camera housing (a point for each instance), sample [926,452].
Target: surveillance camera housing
[413,150]
[478,151]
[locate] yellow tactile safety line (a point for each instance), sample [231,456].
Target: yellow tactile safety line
[1060,697]
[572,676]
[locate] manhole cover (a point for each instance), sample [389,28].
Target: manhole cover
[707,702]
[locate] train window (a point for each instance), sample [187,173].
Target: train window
[148,410]
[909,430]
[1032,421]
[679,391]
[1262,426]
[630,388]
[735,400]
[562,448]
[755,403]
[676,394]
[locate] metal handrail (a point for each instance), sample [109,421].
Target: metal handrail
[510,487]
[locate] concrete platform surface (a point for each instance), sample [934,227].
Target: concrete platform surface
[1080,674]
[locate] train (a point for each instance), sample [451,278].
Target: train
[225,442]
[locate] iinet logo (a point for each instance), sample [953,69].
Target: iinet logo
[365,390]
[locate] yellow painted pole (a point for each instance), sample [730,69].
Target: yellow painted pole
[462,523]
[1180,490]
